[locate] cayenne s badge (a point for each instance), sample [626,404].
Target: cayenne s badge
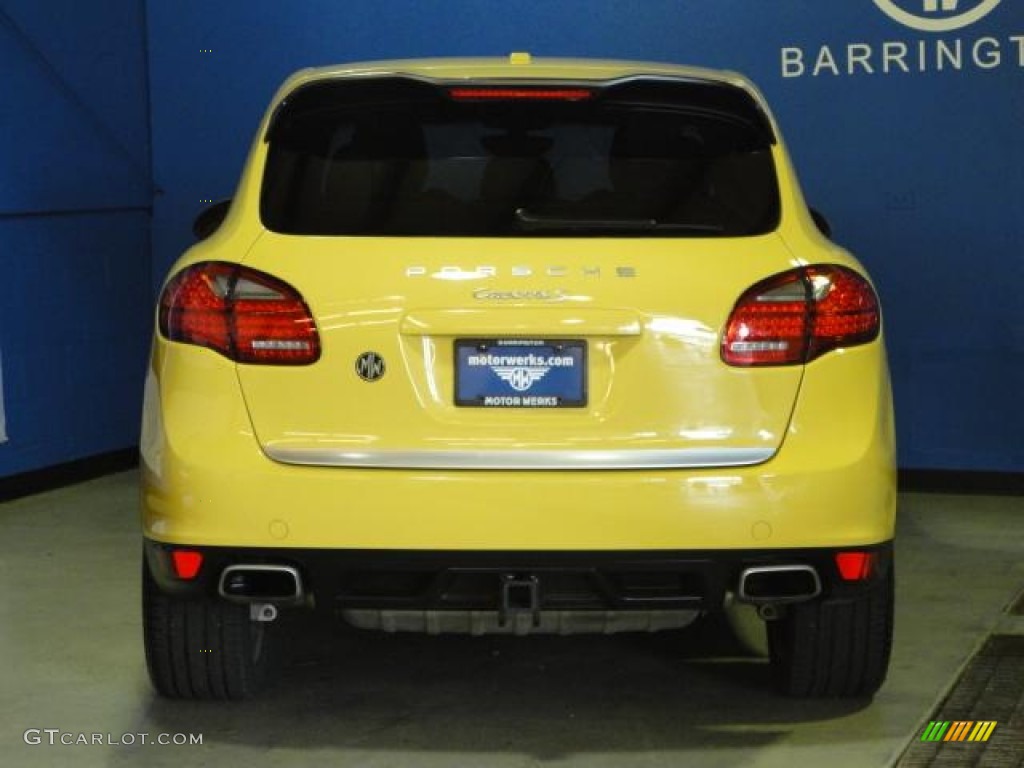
[487,294]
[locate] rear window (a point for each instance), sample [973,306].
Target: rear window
[394,157]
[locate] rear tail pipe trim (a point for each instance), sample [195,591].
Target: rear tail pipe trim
[778,584]
[261,584]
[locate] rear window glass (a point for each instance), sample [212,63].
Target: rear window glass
[398,157]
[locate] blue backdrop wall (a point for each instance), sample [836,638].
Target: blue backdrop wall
[904,118]
[74,229]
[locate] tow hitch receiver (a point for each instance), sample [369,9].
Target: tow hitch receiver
[519,594]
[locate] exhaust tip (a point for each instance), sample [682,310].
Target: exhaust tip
[261,583]
[778,584]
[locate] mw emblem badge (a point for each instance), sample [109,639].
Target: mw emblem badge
[370,366]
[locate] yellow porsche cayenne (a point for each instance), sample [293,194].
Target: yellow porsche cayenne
[517,346]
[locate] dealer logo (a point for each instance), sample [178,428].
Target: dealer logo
[937,53]
[521,379]
[937,15]
[370,366]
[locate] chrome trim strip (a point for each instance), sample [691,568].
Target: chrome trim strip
[678,458]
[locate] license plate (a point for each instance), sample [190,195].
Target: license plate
[520,373]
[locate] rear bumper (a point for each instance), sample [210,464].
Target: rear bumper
[664,580]
[207,482]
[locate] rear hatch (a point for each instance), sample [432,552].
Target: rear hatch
[533,276]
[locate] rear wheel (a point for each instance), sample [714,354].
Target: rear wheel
[836,647]
[201,648]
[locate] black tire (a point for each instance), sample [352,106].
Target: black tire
[201,648]
[835,647]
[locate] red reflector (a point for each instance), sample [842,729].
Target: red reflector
[528,94]
[186,563]
[247,316]
[855,566]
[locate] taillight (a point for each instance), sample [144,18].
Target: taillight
[246,315]
[796,316]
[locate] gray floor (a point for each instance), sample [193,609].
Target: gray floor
[70,642]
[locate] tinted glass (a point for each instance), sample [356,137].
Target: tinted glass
[410,160]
